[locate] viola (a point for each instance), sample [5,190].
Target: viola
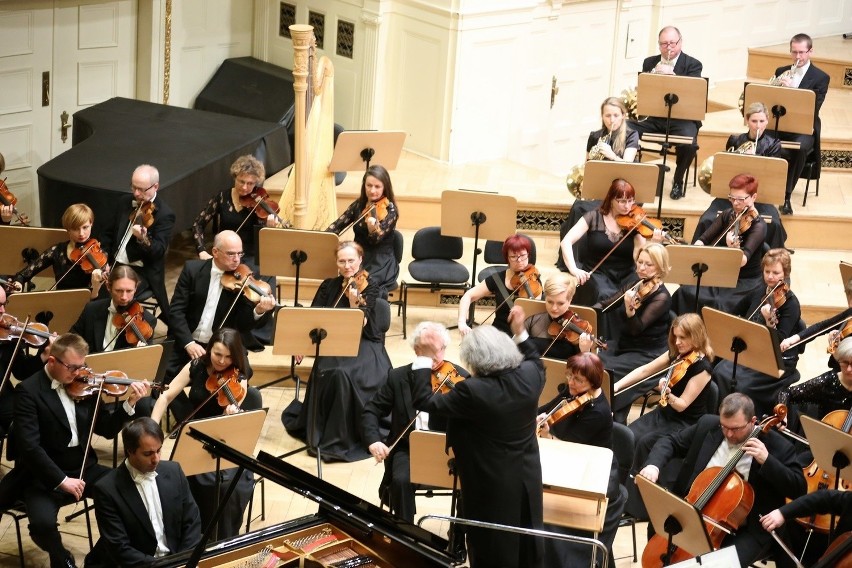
[132,322]
[834,342]
[775,297]
[566,408]
[721,495]
[569,326]
[445,377]
[8,199]
[359,281]
[89,256]
[242,280]
[263,206]
[645,226]
[676,373]
[527,283]
[34,334]
[228,384]
[113,383]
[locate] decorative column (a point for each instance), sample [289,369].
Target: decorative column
[303,41]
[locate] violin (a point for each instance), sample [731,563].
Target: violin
[143,215]
[34,334]
[89,256]
[8,199]
[834,342]
[263,206]
[566,408]
[227,383]
[113,383]
[242,280]
[359,281]
[527,283]
[132,322]
[721,496]
[775,297]
[645,226]
[569,326]
[743,222]
[445,377]
[676,373]
[378,209]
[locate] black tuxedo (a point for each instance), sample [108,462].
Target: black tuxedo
[779,477]
[91,325]
[127,535]
[153,257]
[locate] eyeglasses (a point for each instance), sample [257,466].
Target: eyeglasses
[625,201]
[516,257]
[576,379]
[71,368]
[844,364]
[233,254]
[668,43]
[799,52]
[736,199]
[140,190]
[734,429]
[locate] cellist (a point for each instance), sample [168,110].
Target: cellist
[768,464]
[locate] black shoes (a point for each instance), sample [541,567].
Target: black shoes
[677,191]
[786,209]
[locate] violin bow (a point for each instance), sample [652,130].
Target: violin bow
[784,547]
[731,226]
[70,268]
[369,210]
[564,327]
[92,427]
[633,288]
[234,303]
[8,372]
[763,301]
[818,333]
[506,299]
[660,372]
[126,238]
[616,245]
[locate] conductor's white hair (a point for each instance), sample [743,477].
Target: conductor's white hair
[487,350]
[434,326]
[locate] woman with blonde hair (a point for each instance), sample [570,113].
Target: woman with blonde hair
[614,141]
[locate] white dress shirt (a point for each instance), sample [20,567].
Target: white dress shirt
[146,484]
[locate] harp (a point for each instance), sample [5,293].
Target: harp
[309,198]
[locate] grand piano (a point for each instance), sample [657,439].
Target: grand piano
[345,527]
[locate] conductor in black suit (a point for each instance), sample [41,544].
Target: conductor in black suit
[142,247]
[51,435]
[672,61]
[144,507]
[394,398]
[801,75]
[768,464]
[492,430]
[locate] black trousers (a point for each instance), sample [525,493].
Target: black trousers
[684,153]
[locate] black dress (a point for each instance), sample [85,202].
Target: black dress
[496,284]
[342,386]
[379,259]
[537,326]
[615,270]
[56,257]
[824,393]
[222,206]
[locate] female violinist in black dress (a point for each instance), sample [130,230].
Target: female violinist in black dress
[343,385]
[374,232]
[558,292]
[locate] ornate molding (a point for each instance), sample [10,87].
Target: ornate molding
[167,52]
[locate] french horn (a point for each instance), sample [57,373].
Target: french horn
[574,181]
[705,171]
[777,81]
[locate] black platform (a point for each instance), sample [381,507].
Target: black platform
[249,87]
[192,149]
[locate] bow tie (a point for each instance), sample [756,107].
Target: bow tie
[56,385]
[139,477]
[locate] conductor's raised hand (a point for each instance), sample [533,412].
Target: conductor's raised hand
[516,319]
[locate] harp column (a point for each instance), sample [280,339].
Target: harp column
[303,41]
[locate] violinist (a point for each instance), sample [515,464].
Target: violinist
[777,307]
[394,399]
[516,252]
[740,227]
[590,424]
[374,232]
[227,361]
[200,304]
[768,464]
[97,323]
[637,320]
[139,232]
[614,141]
[77,220]
[229,207]
[51,435]
[604,236]
[558,293]
[344,384]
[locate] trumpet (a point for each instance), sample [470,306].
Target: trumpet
[778,81]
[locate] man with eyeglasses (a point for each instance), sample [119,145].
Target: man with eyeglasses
[672,61]
[51,436]
[143,248]
[801,75]
[768,463]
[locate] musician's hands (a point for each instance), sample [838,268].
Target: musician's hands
[787,81]
[544,429]
[204,255]
[6,213]
[651,473]
[195,351]
[582,275]
[606,150]
[372,224]
[785,345]
[232,409]
[766,312]
[516,320]
[756,449]
[138,390]
[73,487]
[265,304]
[657,237]
[379,451]
[272,221]
[663,69]
[585,343]
[353,294]
[431,345]
[732,240]
[772,521]
[139,232]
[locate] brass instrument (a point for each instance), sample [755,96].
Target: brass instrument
[596,153]
[705,171]
[777,81]
[574,181]
[665,61]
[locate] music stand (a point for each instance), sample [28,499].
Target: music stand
[756,344]
[832,449]
[679,520]
[710,266]
[771,172]
[598,176]
[58,309]
[845,272]
[240,431]
[326,331]
[671,97]
[28,242]
[795,106]
[355,148]
[311,255]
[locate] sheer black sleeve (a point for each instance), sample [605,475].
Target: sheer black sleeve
[652,309]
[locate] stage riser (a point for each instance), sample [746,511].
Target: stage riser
[763,64]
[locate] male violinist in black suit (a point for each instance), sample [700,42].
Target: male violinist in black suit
[142,247]
[768,464]
[672,61]
[801,75]
[51,436]
[144,507]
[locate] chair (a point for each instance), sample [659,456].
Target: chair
[811,170]
[434,267]
[398,249]
[17,512]
[622,447]
[671,153]
[493,254]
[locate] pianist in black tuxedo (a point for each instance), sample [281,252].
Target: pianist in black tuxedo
[125,496]
[145,248]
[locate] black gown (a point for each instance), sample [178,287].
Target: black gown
[221,207]
[56,257]
[615,270]
[340,387]
[537,326]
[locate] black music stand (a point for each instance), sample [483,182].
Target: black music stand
[28,242]
[325,331]
[598,176]
[771,172]
[477,214]
[671,97]
[795,106]
[831,447]
[754,343]
[58,309]
[240,431]
[707,265]
[355,149]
